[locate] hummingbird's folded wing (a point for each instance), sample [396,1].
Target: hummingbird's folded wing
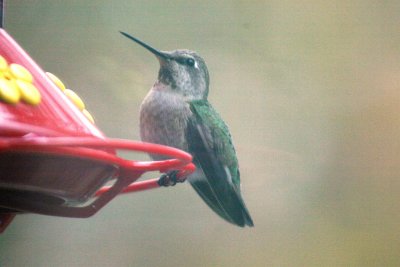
[202,187]
[211,146]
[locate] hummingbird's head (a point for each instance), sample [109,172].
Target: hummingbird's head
[183,71]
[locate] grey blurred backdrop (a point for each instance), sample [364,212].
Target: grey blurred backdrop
[310,90]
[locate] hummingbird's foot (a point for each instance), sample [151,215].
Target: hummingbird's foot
[170,179]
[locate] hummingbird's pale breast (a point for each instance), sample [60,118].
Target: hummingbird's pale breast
[163,118]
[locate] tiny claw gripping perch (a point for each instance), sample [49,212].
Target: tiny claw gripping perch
[170,179]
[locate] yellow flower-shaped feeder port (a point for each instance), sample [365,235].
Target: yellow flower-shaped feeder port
[78,102]
[16,84]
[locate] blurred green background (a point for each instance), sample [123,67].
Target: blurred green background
[310,90]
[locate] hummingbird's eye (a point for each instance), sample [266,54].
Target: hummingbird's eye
[190,62]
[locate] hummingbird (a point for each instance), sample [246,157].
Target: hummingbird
[176,113]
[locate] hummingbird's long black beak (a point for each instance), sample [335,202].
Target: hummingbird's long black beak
[156,52]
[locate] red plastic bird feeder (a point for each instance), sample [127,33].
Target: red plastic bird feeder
[53,160]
